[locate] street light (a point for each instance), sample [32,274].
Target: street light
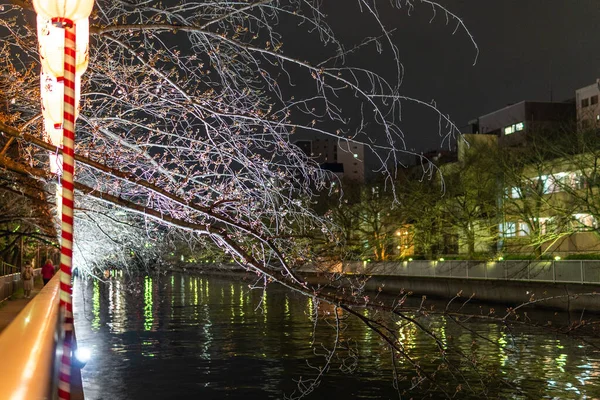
[63,62]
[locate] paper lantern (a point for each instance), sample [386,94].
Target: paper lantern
[56,164]
[51,41]
[73,10]
[52,92]
[58,195]
[54,132]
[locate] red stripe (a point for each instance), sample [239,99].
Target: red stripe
[70,117]
[67,187]
[67,219]
[66,252]
[68,236]
[62,395]
[63,268]
[68,307]
[65,287]
[68,168]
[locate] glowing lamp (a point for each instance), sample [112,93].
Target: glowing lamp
[56,163]
[54,133]
[52,92]
[51,39]
[59,200]
[73,10]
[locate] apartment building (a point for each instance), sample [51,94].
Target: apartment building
[345,159]
[588,107]
[513,123]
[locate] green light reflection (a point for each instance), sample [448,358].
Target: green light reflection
[96,308]
[148,303]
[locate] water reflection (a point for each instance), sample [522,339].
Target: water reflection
[174,336]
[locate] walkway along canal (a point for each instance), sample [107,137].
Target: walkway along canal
[561,285]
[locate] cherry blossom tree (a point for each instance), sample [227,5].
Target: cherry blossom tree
[188,117]
[191,111]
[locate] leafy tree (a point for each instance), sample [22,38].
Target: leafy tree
[469,203]
[537,215]
[377,222]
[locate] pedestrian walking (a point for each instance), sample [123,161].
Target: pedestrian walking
[47,271]
[27,276]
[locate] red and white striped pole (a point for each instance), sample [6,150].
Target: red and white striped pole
[66,251]
[64,14]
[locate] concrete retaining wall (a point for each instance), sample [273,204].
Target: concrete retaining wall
[510,293]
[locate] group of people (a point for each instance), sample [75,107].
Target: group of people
[27,276]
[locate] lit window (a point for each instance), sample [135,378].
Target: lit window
[509,229]
[547,184]
[355,155]
[515,193]
[584,221]
[514,128]
[524,229]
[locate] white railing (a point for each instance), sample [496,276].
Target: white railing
[567,271]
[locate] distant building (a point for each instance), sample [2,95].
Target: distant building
[512,123]
[438,156]
[345,159]
[588,107]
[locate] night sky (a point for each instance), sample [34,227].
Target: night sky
[528,50]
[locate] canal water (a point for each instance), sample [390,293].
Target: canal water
[206,337]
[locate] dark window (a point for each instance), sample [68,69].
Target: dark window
[585,102]
[594,100]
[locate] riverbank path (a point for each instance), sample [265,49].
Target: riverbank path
[12,306]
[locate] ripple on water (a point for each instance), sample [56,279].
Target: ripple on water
[209,338]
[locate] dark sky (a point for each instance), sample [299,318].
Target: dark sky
[528,49]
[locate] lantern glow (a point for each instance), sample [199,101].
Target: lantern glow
[52,91]
[56,163]
[51,46]
[69,9]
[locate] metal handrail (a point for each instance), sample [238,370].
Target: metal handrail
[28,347]
[7,269]
[555,271]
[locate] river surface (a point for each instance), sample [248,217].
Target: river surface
[206,337]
